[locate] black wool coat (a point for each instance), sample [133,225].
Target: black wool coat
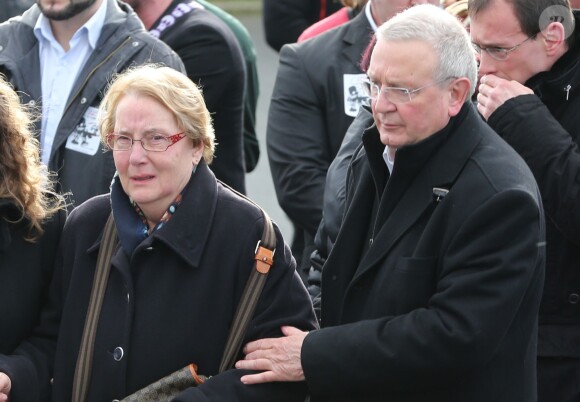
[544,129]
[167,305]
[428,295]
[25,272]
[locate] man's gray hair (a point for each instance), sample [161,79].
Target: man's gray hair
[440,30]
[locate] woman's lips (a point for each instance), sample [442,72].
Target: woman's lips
[142,178]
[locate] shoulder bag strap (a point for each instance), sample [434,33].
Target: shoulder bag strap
[85,356]
[264,259]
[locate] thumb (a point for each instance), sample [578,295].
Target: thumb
[287,330]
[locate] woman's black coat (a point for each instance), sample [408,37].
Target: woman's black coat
[25,272]
[168,305]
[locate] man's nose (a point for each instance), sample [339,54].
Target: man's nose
[382,104]
[486,64]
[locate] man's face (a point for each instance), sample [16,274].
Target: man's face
[384,10]
[60,10]
[408,64]
[497,27]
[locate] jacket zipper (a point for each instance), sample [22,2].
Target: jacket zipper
[92,72]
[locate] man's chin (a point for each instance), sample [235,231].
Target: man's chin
[67,12]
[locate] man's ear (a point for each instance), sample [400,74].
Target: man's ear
[554,37]
[458,91]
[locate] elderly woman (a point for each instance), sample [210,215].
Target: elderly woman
[31,221]
[186,248]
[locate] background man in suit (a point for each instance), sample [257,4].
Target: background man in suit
[530,67]
[60,56]
[431,292]
[310,113]
[213,59]
[251,144]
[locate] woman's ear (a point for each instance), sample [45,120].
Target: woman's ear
[197,153]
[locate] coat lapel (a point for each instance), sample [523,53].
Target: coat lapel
[358,34]
[188,231]
[441,171]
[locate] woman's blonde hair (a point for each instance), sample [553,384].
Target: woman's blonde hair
[171,89]
[24,179]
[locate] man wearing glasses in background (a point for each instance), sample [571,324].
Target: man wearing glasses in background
[530,79]
[431,292]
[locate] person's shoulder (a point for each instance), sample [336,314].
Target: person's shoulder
[331,40]
[201,19]
[332,21]
[20,26]
[239,30]
[203,27]
[500,165]
[95,209]
[235,206]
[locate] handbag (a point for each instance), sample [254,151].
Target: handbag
[169,386]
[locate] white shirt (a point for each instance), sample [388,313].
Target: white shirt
[370,17]
[390,162]
[59,70]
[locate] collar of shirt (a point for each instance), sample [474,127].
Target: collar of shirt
[390,162]
[370,17]
[60,69]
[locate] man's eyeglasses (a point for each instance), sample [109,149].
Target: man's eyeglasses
[394,94]
[499,53]
[150,142]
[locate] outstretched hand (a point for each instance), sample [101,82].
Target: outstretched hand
[278,358]
[5,386]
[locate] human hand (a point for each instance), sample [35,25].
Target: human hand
[278,357]
[495,91]
[5,386]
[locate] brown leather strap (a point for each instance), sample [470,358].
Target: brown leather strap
[85,357]
[264,259]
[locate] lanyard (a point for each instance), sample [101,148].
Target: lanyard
[173,15]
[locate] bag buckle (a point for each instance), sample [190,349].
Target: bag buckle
[264,258]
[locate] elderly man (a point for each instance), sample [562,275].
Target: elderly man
[530,68]
[310,112]
[432,290]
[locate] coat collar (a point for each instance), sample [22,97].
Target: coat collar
[439,170]
[187,233]
[563,78]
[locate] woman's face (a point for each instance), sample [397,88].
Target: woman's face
[152,179]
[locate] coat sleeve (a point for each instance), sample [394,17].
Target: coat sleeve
[552,155]
[482,285]
[284,301]
[296,142]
